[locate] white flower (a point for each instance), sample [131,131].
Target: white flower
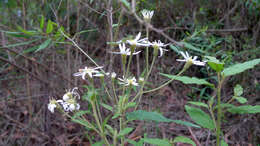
[71,94]
[113,75]
[141,79]
[100,74]
[124,50]
[191,59]
[87,71]
[147,14]
[70,105]
[127,82]
[137,41]
[52,105]
[158,45]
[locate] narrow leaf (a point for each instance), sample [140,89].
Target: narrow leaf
[183,139]
[200,117]
[191,47]
[80,113]
[198,104]
[108,107]
[188,80]
[44,45]
[42,22]
[240,67]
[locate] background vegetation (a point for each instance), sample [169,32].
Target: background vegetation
[37,62]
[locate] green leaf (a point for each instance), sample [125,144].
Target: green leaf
[238,90]
[42,22]
[154,116]
[80,113]
[223,143]
[188,80]
[200,117]
[100,143]
[214,63]
[30,33]
[82,122]
[19,44]
[108,107]
[191,47]
[49,27]
[44,45]
[125,131]
[245,109]
[174,48]
[157,141]
[126,4]
[183,139]
[198,104]
[240,67]
[240,99]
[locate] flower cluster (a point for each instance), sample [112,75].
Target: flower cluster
[68,102]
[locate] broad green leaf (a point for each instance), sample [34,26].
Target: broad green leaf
[42,22]
[238,90]
[154,116]
[49,27]
[183,139]
[126,4]
[108,107]
[245,109]
[44,45]
[200,117]
[188,80]
[240,99]
[214,63]
[240,67]
[125,131]
[223,143]
[157,141]
[191,47]
[198,104]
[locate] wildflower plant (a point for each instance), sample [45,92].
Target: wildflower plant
[120,95]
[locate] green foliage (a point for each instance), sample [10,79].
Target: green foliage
[214,63]
[200,117]
[245,109]
[156,117]
[238,91]
[124,132]
[183,139]
[198,104]
[188,80]
[240,67]
[223,143]
[157,141]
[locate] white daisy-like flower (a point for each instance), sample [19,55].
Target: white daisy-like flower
[87,71]
[71,94]
[125,51]
[138,42]
[70,105]
[190,59]
[147,14]
[129,81]
[158,45]
[52,105]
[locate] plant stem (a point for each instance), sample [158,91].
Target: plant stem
[147,50]
[219,108]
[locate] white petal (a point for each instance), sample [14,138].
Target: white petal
[77,74]
[138,36]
